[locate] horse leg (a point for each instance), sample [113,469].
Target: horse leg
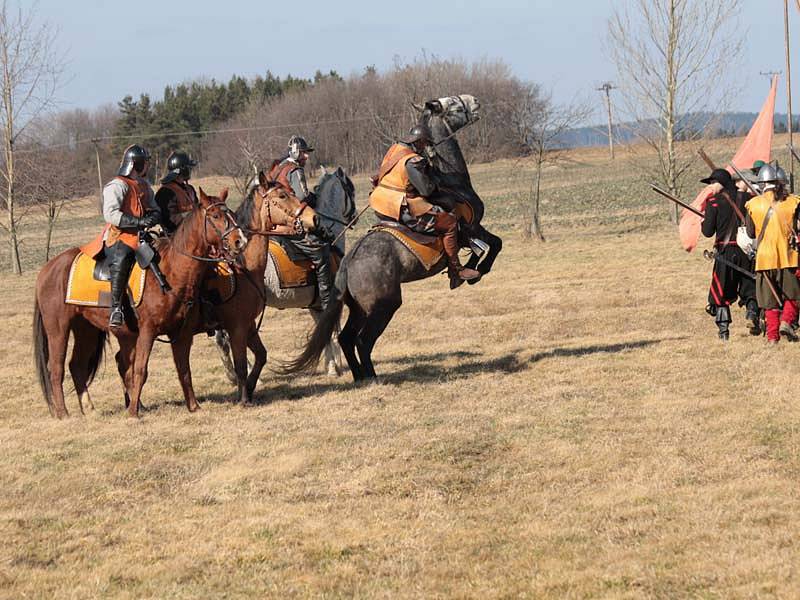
[141,356]
[375,325]
[239,351]
[347,340]
[84,350]
[495,246]
[330,364]
[124,360]
[259,360]
[181,349]
[223,343]
[57,353]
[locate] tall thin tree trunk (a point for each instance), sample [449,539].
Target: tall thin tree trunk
[669,111]
[535,225]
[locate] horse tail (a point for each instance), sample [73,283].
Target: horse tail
[41,356]
[97,355]
[323,330]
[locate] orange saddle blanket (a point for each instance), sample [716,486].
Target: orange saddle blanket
[296,272]
[219,286]
[428,253]
[83,289]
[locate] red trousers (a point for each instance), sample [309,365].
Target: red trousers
[775,317]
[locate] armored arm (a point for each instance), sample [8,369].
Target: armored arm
[421,177]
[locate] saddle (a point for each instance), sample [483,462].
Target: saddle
[427,248]
[293,268]
[219,285]
[89,283]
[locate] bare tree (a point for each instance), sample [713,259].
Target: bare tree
[541,125]
[671,57]
[31,71]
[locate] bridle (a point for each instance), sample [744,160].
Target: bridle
[269,227]
[471,119]
[230,227]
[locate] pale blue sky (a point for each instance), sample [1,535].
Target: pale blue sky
[118,48]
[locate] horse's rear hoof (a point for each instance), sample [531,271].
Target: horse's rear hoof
[476,280]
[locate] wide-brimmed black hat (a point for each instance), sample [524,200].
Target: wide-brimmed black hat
[720,176]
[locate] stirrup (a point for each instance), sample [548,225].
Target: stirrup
[117,317]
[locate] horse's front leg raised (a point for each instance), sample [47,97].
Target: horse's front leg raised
[141,358]
[181,350]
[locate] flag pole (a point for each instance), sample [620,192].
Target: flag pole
[788,90]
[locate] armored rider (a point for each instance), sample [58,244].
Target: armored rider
[176,198]
[405,191]
[128,208]
[772,220]
[290,174]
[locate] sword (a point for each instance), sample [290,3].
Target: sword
[350,224]
[714,255]
[669,196]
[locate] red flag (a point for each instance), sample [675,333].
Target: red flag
[756,146]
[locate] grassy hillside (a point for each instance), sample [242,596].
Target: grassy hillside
[570,427]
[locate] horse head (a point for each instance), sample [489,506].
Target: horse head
[221,232]
[447,115]
[282,212]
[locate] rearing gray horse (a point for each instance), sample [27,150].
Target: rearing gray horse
[370,276]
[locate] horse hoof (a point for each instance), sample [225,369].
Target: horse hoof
[476,280]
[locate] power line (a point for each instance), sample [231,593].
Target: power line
[145,136]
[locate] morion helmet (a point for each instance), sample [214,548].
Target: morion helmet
[179,164]
[418,133]
[134,157]
[298,145]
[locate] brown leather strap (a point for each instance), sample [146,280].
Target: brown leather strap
[396,157]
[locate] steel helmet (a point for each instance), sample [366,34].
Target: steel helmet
[134,157]
[418,133]
[297,145]
[781,175]
[767,174]
[179,164]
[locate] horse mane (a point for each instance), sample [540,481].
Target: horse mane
[244,214]
[181,235]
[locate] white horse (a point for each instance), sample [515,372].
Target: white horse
[335,207]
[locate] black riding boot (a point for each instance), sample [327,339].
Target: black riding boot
[119,267]
[753,317]
[320,254]
[723,320]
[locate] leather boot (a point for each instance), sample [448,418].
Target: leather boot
[446,226]
[753,318]
[723,320]
[322,265]
[119,267]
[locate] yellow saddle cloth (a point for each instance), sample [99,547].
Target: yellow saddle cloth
[428,253]
[291,273]
[83,289]
[220,284]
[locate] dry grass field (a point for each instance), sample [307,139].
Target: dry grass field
[569,428]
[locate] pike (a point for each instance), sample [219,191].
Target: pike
[706,159]
[669,196]
[749,185]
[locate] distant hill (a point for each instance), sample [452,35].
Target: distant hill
[726,125]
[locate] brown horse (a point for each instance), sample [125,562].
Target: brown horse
[267,210]
[210,226]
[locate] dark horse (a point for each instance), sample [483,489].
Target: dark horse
[210,226]
[335,207]
[370,276]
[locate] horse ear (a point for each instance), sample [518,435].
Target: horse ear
[262,179]
[223,195]
[340,172]
[417,107]
[201,195]
[434,106]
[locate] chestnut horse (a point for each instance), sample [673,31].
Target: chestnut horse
[210,226]
[266,211]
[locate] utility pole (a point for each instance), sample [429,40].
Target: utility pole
[607,87]
[788,91]
[770,74]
